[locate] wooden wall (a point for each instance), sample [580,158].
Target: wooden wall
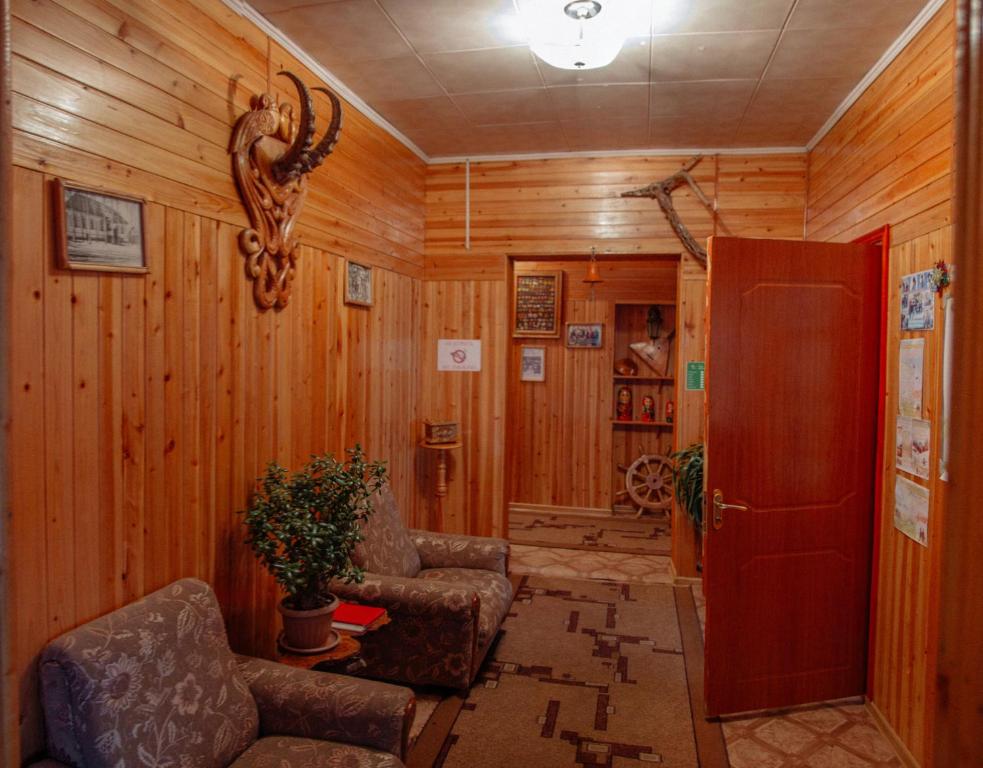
[145,406]
[522,211]
[562,448]
[889,160]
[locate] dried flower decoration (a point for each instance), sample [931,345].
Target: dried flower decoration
[941,276]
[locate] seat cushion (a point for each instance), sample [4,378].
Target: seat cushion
[494,590]
[386,547]
[293,752]
[153,683]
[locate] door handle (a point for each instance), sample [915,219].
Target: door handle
[719,507]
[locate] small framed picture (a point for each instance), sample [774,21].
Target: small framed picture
[537,297]
[533,364]
[585,335]
[98,231]
[358,284]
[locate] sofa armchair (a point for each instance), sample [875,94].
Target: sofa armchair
[156,684]
[446,596]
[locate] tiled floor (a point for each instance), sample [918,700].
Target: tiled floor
[841,735]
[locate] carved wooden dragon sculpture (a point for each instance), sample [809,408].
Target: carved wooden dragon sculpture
[662,191]
[270,163]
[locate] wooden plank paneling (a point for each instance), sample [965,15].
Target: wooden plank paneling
[559,206]
[889,158]
[908,580]
[146,406]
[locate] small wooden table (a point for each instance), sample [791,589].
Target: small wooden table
[343,658]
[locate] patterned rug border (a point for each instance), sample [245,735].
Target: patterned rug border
[598,522]
[589,548]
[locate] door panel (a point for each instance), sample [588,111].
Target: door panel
[792,378]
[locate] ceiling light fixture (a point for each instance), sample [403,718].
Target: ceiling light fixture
[577,34]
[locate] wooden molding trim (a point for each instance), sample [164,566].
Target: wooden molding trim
[907,759]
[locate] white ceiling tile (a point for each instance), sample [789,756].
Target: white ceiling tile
[827,53]
[352,30]
[531,105]
[850,14]
[374,81]
[493,69]
[704,99]
[420,113]
[808,96]
[718,56]
[454,25]
[729,15]
[574,102]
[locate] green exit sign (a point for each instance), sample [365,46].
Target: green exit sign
[695,375]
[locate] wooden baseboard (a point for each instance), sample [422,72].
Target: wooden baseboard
[885,728]
[548,509]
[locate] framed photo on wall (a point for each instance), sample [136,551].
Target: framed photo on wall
[585,335]
[358,284]
[536,301]
[97,230]
[533,364]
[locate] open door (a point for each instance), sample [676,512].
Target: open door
[792,387]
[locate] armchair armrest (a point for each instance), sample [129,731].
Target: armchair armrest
[320,705]
[432,635]
[48,762]
[448,550]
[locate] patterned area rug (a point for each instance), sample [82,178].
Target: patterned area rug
[585,674]
[604,534]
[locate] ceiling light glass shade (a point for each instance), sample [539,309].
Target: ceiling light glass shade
[583,34]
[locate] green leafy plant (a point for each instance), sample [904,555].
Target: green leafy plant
[687,472]
[303,527]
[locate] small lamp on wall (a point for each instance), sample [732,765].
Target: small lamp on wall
[593,275]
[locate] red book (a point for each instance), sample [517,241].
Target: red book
[352,617]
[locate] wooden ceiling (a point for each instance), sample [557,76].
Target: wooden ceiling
[456,77]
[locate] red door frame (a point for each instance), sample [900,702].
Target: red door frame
[881,237]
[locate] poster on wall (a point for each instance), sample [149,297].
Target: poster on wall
[533,367]
[536,301]
[918,302]
[911,510]
[458,355]
[913,445]
[911,363]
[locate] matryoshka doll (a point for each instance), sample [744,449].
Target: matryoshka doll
[624,404]
[648,408]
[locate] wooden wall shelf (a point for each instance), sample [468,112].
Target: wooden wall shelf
[636,423]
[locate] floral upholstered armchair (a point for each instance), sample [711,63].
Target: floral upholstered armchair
[155,684]
[446,596]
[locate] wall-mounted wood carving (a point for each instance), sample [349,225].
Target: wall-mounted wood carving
[271,158]
[662,191]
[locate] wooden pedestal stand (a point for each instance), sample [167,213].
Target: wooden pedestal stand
[441,490]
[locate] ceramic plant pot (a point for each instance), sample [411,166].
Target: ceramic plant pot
[308,631]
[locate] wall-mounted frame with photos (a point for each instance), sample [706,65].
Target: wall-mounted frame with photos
[98,230]
[358,284]
[536,301]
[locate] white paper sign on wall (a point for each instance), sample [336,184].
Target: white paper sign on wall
[458,355]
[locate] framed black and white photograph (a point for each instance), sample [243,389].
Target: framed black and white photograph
[533,366]
[358,284]
[98,231]
[585,335]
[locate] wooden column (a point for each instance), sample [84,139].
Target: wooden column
[9,746]
[959,704]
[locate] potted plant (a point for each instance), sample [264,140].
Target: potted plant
[687,474]
[303,528]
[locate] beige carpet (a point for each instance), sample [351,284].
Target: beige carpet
[585,673]
[601,534]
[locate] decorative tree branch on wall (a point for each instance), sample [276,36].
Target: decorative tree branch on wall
[271,159]
[662,191]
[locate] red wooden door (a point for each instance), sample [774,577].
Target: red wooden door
[792,387]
